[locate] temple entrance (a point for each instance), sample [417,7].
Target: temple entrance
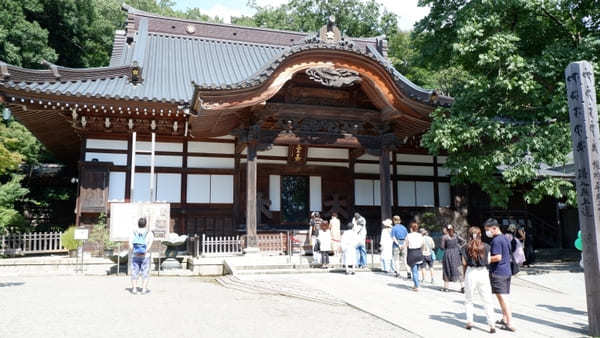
[294,199]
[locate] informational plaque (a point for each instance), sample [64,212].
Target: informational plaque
[124,219]
[81,234]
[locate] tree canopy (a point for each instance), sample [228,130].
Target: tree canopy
[511,109]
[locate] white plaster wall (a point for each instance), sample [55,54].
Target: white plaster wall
[425,197]
[168,188]
[116,159]
[444,192]
[363,192]
[315,193]
[406,194]
[211,147]
[159,146]
[221,189]
[211,162]
[328,153]
[171,161]
[275,192]
[116,186]
[106,144]
[329,164]
[414,170]
[414,158]
[198,188]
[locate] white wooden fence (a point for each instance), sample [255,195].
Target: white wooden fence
[31,243]
[221,245]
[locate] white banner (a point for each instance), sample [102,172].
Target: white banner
[124,219]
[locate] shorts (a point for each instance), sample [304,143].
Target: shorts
[427,261]
[140,265]
[500,284]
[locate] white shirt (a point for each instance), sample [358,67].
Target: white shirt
[414,240]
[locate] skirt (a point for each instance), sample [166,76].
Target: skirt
[414,257]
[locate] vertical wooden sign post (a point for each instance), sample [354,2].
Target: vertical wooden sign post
[583,114]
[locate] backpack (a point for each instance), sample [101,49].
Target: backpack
[139,243]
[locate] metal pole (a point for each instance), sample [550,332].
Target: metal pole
[119,259]
[133,151]
[152,180]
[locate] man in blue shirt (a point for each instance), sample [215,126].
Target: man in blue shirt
[399,233]
[500,272]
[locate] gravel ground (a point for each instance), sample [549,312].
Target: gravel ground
[177,307]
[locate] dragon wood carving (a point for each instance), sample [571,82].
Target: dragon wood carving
[333,77]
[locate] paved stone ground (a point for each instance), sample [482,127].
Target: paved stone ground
[90,306]
[547,302]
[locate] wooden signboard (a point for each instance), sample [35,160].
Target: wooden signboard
[93,186]
[124,219]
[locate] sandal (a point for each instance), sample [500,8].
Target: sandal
[492,330]
[508,328]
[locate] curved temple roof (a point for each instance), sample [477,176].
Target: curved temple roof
[173,54]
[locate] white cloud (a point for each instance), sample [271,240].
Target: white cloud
[408,11]
[224,12]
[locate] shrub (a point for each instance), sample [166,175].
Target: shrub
[68,239]
[101,234]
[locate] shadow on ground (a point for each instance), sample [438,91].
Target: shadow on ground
[7,284]
[582,328]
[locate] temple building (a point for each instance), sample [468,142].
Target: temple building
[254,127]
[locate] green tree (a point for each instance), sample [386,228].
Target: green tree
[510,110]
[355,18]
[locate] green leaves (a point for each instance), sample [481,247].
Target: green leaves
[510,112]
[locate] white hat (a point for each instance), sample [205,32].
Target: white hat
[387,223]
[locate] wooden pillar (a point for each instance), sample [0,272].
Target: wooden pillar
[583,115]
[251,196]
[385,184]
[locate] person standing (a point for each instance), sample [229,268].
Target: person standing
[527,246]
[140,241]
[500,272]
[360,227]
[414,252]
[334,225]
[427,255]
[324,244]
[475,260]
[313,233]
[386,243]
[452,262]
[399,233]
[348,243]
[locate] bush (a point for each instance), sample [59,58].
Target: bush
[101,234]
[430,221]
[68,239]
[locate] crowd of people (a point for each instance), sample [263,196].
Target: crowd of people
[478,267]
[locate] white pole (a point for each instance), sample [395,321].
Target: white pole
[152,180]
[133,150]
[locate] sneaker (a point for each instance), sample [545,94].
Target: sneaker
[462,290]
[492,330]
[145,292]
[134,291]
[468,326]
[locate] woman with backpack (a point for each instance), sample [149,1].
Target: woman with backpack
[140,242]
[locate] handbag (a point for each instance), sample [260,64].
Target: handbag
[514,266]
[432,252]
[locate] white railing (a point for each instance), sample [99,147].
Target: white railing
[31,243]
[221,245]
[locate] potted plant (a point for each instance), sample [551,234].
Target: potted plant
[69,241]
[101,236]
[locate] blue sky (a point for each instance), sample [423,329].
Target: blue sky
[408,10]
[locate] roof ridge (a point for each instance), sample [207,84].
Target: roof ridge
[135,11]
[205,38]
[60,74]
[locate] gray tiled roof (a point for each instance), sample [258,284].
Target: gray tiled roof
[171,64]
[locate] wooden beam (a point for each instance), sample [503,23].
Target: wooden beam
[251,197]
[385,184]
